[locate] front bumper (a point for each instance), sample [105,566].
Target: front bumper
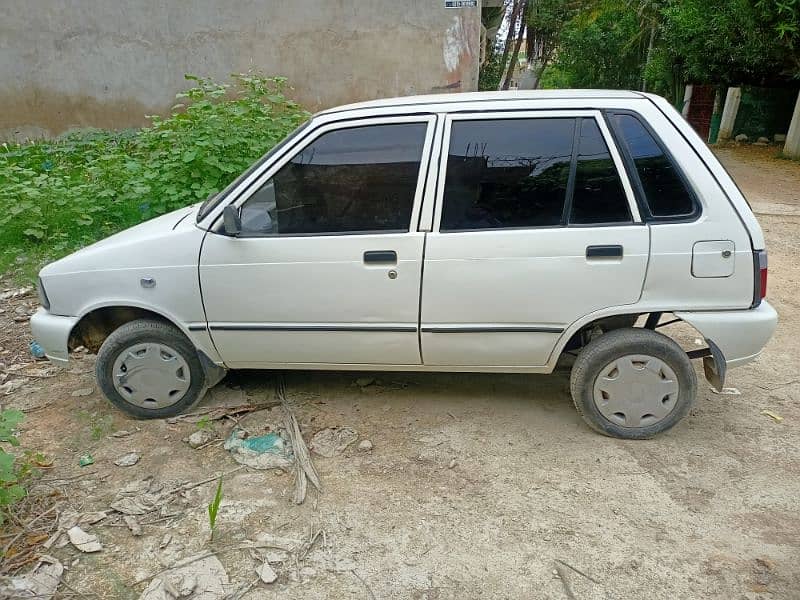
[52,333]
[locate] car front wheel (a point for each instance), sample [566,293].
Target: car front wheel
[149,369]
[633,383]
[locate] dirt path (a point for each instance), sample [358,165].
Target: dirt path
[477,484]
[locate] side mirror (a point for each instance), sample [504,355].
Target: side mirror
[231,221]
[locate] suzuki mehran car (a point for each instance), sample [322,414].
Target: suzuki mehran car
[481,232]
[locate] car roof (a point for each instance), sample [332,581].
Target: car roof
[449,101]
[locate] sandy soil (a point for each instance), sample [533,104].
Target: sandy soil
[477,485]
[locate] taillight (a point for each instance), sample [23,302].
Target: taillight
[760,276]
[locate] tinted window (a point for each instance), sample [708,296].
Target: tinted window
[348,180]
[599,196]
[664,190]
[507,173]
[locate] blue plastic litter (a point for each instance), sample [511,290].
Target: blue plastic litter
[272,443]
[36,350]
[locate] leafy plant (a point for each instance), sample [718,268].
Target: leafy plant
[204,423]
[57,196]
[10,475]
[213,508]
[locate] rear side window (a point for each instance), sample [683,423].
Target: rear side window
[507,173]
[665,192]
[598,196]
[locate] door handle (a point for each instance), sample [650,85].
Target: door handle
[611,251]
[386,257]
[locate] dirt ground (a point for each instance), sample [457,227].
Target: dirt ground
[477,486]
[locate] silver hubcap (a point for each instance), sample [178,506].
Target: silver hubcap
[636,391]
[151,375]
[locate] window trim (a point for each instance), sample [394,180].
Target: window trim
[242,194]
[576,114]
[633,172]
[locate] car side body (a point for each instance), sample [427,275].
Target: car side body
[413,247]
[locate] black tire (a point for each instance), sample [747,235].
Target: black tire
[602,351]
[143,331]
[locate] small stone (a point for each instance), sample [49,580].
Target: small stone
[132,524]
[85,542]
[200,438]
[742,137]
[266,573]
[452,464]
[779,138]
[165,540]
[127,460]
[308,572]
[763,140]
[82,392]
[187,585]
[365,446]
[121,433]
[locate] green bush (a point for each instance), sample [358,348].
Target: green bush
[60,195]
[10,488]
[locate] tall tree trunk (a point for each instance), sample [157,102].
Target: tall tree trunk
[512,23]
[517,45]
[649,54]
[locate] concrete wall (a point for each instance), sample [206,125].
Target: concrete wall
[107,63]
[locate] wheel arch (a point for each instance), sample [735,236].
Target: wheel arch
[97,323]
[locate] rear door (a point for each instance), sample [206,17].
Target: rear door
[535,226]
[327,269]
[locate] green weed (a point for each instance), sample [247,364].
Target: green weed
[57,196]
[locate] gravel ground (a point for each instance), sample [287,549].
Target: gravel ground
[476,485]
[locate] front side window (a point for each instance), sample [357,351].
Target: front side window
[665,192]
[359,179]
[507,173]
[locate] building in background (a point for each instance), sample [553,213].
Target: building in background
[83,63]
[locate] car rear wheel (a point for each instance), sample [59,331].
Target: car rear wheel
[632,383]
[149,369]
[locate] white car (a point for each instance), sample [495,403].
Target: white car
[486,232]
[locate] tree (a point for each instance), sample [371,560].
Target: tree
[733,41]
[545,22]
[598,49]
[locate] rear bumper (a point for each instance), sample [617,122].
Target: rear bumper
[740,335]
[52,333]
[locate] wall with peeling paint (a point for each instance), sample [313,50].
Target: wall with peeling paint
[82,63]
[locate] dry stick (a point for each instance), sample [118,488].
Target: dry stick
[304,468]
[370,595]
[26,528]
[578,571]
[562,574]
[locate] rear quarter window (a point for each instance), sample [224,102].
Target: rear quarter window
[665,191]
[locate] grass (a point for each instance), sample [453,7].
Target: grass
[57,196]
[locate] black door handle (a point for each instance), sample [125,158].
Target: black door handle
[380,256]
[613,251]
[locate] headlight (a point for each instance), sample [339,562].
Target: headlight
[43,300]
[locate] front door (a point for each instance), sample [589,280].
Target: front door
[535,226]
[327,268]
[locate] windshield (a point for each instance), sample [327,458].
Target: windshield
[213,201]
